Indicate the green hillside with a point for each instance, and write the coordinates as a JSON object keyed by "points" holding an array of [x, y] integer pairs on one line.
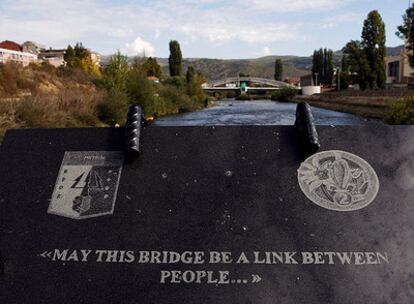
{"points": [[214, 69]]}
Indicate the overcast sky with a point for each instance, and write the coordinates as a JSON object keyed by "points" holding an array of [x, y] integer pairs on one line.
{"points": [[204, 28]]}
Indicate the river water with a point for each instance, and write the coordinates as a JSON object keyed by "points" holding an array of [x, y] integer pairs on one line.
{"points": [[258, 112]]}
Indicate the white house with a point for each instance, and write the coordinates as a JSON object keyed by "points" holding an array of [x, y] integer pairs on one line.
{"points": [[398, 69], [20, 57]]}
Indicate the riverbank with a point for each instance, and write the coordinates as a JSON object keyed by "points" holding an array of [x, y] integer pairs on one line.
{"points": [[42, 96], [370, 104]]}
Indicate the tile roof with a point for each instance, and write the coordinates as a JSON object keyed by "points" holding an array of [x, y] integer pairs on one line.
{"points": [[10, 45]]}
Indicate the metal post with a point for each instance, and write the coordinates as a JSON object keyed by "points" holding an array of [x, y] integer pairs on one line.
{"points": [[306, 130], [133, 130]]}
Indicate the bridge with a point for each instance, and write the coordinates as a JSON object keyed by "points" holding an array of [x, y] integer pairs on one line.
{"points": [[244, 84]]}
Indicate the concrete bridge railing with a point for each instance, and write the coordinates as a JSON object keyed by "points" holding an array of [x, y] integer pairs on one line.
{"points": [[255, 80]]}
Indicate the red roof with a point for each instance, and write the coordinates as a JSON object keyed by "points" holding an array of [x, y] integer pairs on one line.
{"points": [[10, 45]]}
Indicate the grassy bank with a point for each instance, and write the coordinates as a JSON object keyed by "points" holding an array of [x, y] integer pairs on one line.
{"points": [[370, 104], [42, 96]]}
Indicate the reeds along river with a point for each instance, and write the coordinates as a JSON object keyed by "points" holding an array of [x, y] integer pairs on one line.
{"points": [[258, 112]]}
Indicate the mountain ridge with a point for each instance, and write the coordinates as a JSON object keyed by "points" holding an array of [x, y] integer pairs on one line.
{"points": [[293, 66]]}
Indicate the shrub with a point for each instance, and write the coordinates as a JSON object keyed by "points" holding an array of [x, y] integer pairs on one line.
{"points": [[177, 81], [112, 109], [219, 95], [161, 106], [10, 76], [244, 97], [182, 102], [38, 113], [69, 107], [139, 89], [401, 112], [231, 94], [285, 94], [72, 107], [7, 117], [75, 74]]}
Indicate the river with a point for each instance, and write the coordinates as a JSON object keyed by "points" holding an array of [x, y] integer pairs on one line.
{"points": [[258, 112]]}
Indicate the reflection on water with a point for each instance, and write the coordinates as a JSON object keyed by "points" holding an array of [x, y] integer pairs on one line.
{"points": [[259, 112]]}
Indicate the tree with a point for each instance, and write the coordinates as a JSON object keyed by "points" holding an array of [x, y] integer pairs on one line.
{"points": [[373, 43], [115, 75], [190, 75], [328, 67], [112, 109], [358, 63], [278, 70], [151, 67], [344, 64], [80, 57], [80, 51], [201, 78], [406, 32], [89, 67], [139, 89], [317, 66], [344, 75], [366, 58], [74, 56], [322, 65], [69, 55], [175, 58], [193, 86]]}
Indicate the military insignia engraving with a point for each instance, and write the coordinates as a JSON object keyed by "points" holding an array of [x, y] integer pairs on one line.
{"points": [[87, 184], [338, 180]]}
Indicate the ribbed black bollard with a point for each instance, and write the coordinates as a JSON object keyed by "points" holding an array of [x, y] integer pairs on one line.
{"points": [[306, 130], [133, 131]]}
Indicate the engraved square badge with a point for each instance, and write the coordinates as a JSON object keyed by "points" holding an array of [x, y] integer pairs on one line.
{"points": [[87, 184]]}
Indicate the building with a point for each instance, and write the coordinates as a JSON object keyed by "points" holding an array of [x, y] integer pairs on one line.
{"points": [[96, 58], [153, 79], [306, 80], [53, 57], [11, 46], [31, 51], [32, 47], [12, 52], [398, 69], [293, 81], [20, 57]]}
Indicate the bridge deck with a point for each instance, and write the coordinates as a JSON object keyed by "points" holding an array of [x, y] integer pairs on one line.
{"points": [[256, 80]]}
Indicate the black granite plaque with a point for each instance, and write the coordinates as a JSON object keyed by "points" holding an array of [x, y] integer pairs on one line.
{"points": [[207, 215]]}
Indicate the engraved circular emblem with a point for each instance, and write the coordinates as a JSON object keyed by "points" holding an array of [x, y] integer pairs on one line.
{"points": [[338, 180]]}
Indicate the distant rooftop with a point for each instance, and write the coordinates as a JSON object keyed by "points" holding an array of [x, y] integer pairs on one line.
{"points": [[10, 45]]}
